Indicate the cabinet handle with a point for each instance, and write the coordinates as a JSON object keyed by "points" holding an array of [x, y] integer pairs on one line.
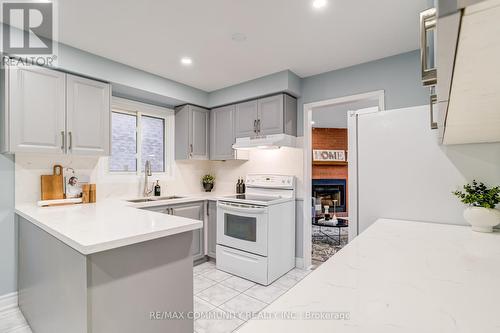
{"points": [[427, 23], [70, 141], [63, 143], [191, 150], [258, 126], [255, 126], [433, 100]]}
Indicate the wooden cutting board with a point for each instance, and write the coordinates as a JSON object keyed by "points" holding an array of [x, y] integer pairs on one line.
{"points": [[53, 185]]}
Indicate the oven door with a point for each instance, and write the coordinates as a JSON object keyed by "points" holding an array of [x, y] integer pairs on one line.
{"points": [[242, 227]]}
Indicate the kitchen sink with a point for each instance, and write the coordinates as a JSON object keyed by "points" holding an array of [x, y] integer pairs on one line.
{"points": [[154, 199]]}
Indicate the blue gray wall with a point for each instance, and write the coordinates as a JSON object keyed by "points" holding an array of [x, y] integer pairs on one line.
{"points": [[398, 75], [284, 81]]}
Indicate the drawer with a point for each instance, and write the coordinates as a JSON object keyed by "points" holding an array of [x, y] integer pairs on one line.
{"points": [[246, 265]]}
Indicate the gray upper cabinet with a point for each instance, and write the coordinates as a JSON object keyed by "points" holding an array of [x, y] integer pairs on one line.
{"points": [[88, 123], [211, 228], [35, 115], [270, 115], [53, 112], [191, 133], [245, 119], [222, 133]]}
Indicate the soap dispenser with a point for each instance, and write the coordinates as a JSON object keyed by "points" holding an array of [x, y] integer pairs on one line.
{"points": [[157, 188]]}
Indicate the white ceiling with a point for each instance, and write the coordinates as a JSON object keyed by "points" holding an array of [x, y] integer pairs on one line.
{"points": [[153, 35]]}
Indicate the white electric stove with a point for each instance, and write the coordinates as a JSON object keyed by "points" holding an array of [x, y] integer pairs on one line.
{"points": [[256, 230]]}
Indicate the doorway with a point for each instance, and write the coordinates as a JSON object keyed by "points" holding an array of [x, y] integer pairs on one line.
{"points": [[326, 173]]}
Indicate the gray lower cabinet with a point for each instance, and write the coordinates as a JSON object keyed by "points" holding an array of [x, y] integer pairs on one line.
{"points": [[192, 210], [113, 291], [191, 133], [211, 226]]}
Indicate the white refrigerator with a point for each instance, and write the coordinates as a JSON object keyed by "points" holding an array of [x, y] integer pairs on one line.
{"points": [[397, 169]]}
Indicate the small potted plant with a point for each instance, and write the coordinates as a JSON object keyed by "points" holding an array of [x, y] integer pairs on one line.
{"points": [[208, 182], [481, 201]]}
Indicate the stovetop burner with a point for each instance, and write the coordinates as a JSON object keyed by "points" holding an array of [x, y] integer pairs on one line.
{"points": [[252, 197]]}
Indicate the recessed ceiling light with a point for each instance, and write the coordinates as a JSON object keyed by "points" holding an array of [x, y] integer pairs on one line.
{"points": [[318, 4], [186, 61], [239, 37]]}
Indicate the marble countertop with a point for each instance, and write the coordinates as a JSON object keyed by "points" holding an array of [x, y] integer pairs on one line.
{"points": [[91, 228], [397, 276]]}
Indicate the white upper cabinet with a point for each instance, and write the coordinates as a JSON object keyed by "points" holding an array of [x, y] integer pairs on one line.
{"points": [[88, 123], [35, 117], [464, 102], [473, 114], [48, 111]]}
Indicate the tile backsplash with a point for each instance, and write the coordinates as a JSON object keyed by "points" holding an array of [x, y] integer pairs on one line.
{"points": [[185, 176]]}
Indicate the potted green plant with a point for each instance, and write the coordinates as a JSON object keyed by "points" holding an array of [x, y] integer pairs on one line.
{"points": [[208, 182], [481, 201]]}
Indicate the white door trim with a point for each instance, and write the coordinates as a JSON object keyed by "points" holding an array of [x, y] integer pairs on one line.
{"points": [[307, 237]]}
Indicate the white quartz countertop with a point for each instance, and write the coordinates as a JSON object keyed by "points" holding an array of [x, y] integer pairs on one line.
{"points": [[398, 276], [182, 198], [91, 228]]}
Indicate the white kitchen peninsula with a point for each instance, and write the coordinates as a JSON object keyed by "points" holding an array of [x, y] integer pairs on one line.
{"points": [[104, 267], [397, 277]]}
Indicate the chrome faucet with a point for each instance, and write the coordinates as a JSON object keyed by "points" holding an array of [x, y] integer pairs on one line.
{"points": [[147, 173]]}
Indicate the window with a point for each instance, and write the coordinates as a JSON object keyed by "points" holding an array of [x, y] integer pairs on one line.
{"points": [[123, 142], [153, 143], [138, 133]]}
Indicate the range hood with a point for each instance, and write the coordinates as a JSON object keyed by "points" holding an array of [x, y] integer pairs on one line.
{"points": [[274, 141]]}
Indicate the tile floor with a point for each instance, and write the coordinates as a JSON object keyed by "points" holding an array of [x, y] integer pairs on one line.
{"points": [[223, 301], [12, 321]]}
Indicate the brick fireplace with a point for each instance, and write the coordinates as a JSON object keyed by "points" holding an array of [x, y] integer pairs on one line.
{"points": [[330, 179]]}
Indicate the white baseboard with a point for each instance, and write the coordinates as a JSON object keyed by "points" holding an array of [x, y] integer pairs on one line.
{"points": [[8, 301]]}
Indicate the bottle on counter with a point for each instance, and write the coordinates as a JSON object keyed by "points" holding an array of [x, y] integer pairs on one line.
{"points": [[157, 188], [238, 186], [243, 186]]}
